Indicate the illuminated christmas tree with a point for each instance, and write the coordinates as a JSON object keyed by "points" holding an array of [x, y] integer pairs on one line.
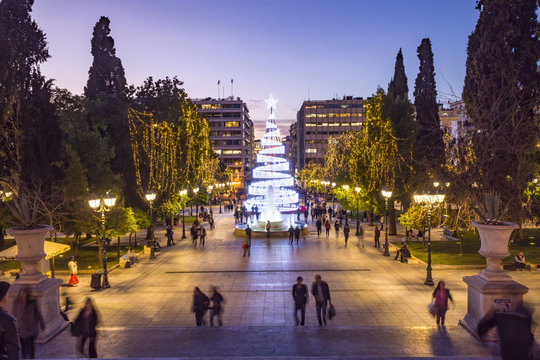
{"points": [[272, 185]]}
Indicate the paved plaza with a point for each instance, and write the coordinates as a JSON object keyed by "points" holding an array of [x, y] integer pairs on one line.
{"points": [[381, 303]]}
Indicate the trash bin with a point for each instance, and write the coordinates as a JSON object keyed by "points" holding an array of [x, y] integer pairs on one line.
{"points": [[95, 283]]}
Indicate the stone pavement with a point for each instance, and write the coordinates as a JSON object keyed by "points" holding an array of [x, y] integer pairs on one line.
{"points": [[150, 303]]}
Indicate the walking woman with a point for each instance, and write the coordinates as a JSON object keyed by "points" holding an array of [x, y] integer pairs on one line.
{"points": [[72, 265], [29, 321], [441, 296], [85, 328]]}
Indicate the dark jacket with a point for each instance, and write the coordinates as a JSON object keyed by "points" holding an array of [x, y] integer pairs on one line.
{"points": [[319, 224], [200, 303], [86, 327], [29, 319], [325, 290], [300, 295], [297, 232], [9, 339], [217, 299]]}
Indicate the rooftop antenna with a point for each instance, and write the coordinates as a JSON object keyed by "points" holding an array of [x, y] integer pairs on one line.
{"points": [[232, 95], [308, 94], [218, 82]]}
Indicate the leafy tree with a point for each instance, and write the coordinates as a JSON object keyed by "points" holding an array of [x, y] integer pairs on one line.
{"points": [[336, 162], [430, 148], [501, 95]]}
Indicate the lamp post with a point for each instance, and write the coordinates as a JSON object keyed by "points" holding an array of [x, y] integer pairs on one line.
{"points": [[357, 217], [150, 197], [195, 191], [429, 199], [333, 197], [219, 186], [387, 194], [346, 188], [210, 187], [183, 194], [101, 205]]}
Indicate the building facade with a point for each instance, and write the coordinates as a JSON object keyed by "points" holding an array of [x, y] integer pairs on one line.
{"points": [[232, 132], [318, 121], [454, 120]]}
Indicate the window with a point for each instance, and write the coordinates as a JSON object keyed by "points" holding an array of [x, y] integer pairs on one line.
{"points": [[217, 151], [311, 115], [356, 124], [311, 150], [232, 124], [210, 106], [310, 124], [232, 152], [321, 115]]}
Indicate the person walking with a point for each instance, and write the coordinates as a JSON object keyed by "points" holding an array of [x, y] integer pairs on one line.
{"points": [[194, 234], [217, 308], [346, 231], [268, 228], [29, 321], [247, 247], [10, 346], [321, 292], [211, 222], [327, 227], [297, 234], [319, 227], [300, 297], [202, 236], [169, 235], [440, 298], [72, 266], [337, 224], [377, 237], [291, 234], [200, 306], [85, 327]]}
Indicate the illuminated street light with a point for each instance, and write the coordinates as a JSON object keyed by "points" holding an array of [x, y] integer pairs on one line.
{"points": [[387, 194], [183, 194], [357, 189], [150, 197]]}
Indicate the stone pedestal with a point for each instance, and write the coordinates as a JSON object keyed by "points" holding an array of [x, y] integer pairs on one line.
{"points": [[484, 296], [30, 250]]}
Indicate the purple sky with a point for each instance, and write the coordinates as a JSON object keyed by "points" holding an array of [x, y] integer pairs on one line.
{"points": [[284, 47]]}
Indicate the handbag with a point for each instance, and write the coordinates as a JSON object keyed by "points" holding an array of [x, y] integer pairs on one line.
{"points": [[332, 312], [433, 308], [244, 245]]}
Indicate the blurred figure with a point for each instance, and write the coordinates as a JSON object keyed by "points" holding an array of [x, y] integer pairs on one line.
{"points": [[377, 237], [200, 305], [247, 247], [9, 338], [519, 260], [297, 234], [319, 227], [72, 265], [441, 295], [268, 228], [29, 321], [327, 227], [85, 327], [217, 309], [291, 234], [346, 232], [514, 327]]}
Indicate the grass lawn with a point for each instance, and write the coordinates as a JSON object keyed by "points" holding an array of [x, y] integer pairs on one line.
{"points": [[447, 252]]}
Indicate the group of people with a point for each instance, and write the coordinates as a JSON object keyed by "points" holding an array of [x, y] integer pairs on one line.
{"points": [[320, 291], [198, 232], [202, 303]]}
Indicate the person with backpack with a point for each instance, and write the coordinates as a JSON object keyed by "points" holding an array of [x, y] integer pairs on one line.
{"points": [[247, 243], [194, 234], [337, 225]]}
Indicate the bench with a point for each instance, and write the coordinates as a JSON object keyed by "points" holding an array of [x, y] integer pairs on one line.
{"points": [[449, 234]]}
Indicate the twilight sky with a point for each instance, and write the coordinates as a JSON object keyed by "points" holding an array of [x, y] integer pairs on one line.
{"points": [[290, 48]]}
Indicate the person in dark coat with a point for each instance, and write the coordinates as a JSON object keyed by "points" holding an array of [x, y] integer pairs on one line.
{"points": [[202, 235], [247, 247], [346, 231], [291, 234], [217, 308], [200, 305], [336, 226], [85, 326], [377, 237], [29, 321], [297, 234], [169, 234], [10, 346], [441, 295], [327, 227], [321, 291], [300, 296], [319, 227]]}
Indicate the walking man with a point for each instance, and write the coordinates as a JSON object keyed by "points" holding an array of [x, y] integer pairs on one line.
{"points": [[300, 296], [336, 226], [217, 309], [203, 236], [346, 231], [247, 248], [200, 305], [321, 292], [291, 234], [377, 237], [319, 227], [297, 234]]}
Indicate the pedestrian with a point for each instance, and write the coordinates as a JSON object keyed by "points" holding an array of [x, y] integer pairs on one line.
{"points": [[217, 308], [10, 346], [291, 234], [194, 234], [268, 228], [202, 236], [300, 297], [200, 306], [337, 224], [319, 227], [306, 214], [298, 212], [377, 237], [346, 231], [247, 247], [297, 234], [85, 327], [321, 292], [212, 223], [29, 321], [519, 261], [169, 235], [440, 298], [72, 265], [327, 226]]}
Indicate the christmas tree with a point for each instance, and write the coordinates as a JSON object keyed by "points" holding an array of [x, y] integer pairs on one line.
{"points": [[272, 184]]}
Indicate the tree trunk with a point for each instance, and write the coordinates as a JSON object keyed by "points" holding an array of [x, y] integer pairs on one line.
{"points": [[370, 219], [2, 242], [149, 233], [392, 228], [100, 253], [118, 248], [130, 240], [135, 238]]}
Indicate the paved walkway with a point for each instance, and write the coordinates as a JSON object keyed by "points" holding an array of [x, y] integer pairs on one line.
{"points": [[372, 294]]}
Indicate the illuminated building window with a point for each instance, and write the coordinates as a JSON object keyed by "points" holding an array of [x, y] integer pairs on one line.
{"points": [[311, 150], [217, 151], [324, 124], [345, 115], [345, 124], [211, 106], [333, 124], [232, 152], [331, 114], [356, 124], [321, 115], [232, 124], [311, 115], [344, 106], [310, 124]]}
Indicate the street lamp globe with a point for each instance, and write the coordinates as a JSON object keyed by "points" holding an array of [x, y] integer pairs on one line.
{"points": [[345, 187], [94, 203], [357, 189], [436, 184], [333, 184], [150, 197], [386, 193]]}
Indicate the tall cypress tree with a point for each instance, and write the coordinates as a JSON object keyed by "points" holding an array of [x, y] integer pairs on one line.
{"points": [[398, 85], [430, 146], [501, 93]]}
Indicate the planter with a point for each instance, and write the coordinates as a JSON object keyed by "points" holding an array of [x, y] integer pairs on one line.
{"points": [[30, 250], [494, 241]]}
